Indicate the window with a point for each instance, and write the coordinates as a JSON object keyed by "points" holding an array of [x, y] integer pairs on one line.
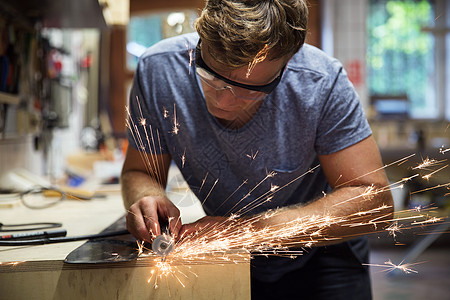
{"points": [[146, 30], [401, 54]]}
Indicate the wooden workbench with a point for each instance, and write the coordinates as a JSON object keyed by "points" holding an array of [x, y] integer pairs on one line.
{"points": [[38, 272]]}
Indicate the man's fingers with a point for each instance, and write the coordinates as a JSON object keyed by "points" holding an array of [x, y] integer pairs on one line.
{"points": [[174, 219], [145, 217], [136, 224], [151, 219], [187, 229]]}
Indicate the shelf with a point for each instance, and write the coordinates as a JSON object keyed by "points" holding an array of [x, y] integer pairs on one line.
{"points": [[9, 98], [68, 13]]}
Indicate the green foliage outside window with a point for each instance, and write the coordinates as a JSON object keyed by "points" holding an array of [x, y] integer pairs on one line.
{"points": [[400, 54]]}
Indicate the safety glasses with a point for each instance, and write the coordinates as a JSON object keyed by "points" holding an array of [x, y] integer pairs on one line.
{"points": [[239, 90]]}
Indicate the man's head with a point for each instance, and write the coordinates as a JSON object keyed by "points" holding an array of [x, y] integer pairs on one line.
{"points": [[236, 31], [244, 48]]}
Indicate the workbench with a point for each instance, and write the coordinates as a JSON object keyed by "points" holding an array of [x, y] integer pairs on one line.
{"points": [[39, 272]]}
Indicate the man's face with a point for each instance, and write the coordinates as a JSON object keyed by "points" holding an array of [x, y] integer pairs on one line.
{"points": [[229, 102]]}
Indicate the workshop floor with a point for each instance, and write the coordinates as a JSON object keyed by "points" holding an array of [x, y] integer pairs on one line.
{"points": [[432, 280]]}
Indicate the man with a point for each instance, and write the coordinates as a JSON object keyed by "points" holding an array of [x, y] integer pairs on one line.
{"points": [[253, 108]]}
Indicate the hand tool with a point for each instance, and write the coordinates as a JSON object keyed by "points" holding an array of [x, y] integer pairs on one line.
{"points": [[53, 240], [163, 244], [34, 235]]}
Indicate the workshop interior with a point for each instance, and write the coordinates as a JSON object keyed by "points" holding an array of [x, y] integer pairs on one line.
{"points": [[66, 69]]}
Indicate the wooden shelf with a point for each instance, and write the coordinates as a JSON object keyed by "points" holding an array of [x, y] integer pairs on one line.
{"points": [[9, 98]]}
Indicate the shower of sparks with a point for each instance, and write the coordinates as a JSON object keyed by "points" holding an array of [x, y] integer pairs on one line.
{"points": [[260, 57], [242, 235], [390, 266]]}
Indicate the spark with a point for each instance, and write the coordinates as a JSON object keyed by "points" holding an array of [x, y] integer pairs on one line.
{"points": [[427, 177], [152, 166], [271, 174], [203, 182], [443, 149], [252, 156], [165, 113], [191, 56], [400, 161], [140, 245], [183, 158], [176, 125], [393, 228], [428, 163], [369, 193], [391, 266], [431, 188], [260, 57], [337, 180], [428, 221], [273, 187], [215, 182]]}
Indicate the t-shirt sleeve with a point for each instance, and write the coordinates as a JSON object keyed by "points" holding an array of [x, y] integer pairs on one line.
{"points": [[143, 116], [342, 121]]}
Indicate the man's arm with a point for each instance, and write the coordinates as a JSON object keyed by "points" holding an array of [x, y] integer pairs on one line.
{"points": [[359, 184], [143, 181]]}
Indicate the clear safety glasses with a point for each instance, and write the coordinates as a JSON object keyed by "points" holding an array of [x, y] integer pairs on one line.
{"points": [[239, 90]]}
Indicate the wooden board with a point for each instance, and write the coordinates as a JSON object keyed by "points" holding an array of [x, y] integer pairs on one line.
{"points": [[38, 272], [56, 280]]}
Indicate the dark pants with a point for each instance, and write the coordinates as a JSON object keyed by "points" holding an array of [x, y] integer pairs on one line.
{"points": [[333, 272]]}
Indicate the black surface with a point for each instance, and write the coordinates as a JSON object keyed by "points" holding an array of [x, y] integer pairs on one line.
{"points": [[108, 250]]}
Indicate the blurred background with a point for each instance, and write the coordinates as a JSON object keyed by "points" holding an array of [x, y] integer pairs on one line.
{"points": [[66, 69]]}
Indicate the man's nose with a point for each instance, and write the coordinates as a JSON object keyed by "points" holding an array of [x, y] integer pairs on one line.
{"points": [[225, 98]]}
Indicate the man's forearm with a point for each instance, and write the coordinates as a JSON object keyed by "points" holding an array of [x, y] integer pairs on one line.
{"points": [[343, 214], [136, 185]]}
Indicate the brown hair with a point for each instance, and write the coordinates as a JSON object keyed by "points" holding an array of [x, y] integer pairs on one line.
{"points": [[237, 30]]}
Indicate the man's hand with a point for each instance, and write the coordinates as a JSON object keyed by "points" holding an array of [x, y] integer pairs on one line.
{"points": [[145, 216]]}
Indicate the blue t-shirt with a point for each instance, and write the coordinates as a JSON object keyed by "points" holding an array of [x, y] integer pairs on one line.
{"points": [[314, 110]]}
